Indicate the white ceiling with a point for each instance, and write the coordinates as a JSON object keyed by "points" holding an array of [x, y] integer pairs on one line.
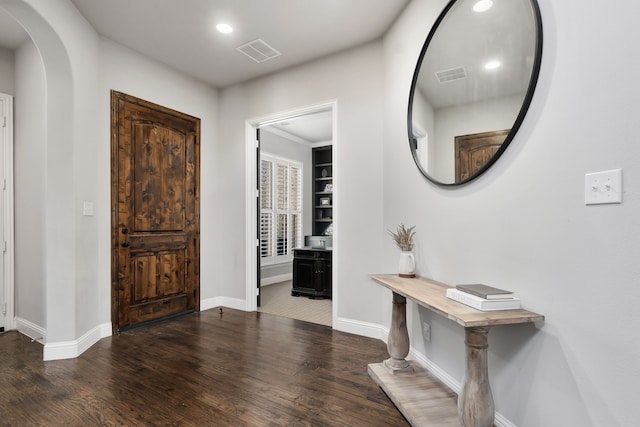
{"points": [[181, 33], [307, 129]]}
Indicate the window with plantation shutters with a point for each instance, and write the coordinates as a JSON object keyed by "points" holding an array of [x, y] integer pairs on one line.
{"points": [[280, 208]]}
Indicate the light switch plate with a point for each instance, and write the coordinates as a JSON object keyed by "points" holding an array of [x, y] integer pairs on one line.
{"points": [[87, 208], [603, 187]]}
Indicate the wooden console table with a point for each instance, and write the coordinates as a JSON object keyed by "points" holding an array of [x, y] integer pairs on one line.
{"points": [[396, 376]]}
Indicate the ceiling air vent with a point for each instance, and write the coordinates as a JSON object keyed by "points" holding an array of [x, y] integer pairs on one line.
{"points": [[451, 74], [258, 50]]}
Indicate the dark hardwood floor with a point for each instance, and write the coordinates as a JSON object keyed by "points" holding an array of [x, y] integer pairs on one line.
{"points": [[208, 368]]}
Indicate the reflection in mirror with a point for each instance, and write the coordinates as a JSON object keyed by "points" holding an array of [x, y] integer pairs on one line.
{"points": [[472, 86]]}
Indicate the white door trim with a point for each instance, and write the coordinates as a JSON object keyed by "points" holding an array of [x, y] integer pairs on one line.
{"points": [[251, 201], [6, 127]]}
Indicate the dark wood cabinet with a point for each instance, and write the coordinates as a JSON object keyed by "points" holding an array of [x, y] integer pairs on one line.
{"points": [[322, 191], [311, 273]]}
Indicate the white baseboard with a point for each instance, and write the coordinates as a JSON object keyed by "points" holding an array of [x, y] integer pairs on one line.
{"points": [[366, 329], [375, 331], [276, 279], [72, 349], [449, 381], [501, 421], [235, 303], [30, 329], [438, 372]]}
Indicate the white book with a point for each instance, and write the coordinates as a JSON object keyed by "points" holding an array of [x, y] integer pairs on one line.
{"points": [[481, 303]]}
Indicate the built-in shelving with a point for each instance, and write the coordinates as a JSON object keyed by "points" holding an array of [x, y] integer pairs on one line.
{"points": [[322, 191]]}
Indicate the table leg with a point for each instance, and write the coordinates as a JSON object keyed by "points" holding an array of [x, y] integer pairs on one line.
{"points": [[475, 402], [398, 342]]}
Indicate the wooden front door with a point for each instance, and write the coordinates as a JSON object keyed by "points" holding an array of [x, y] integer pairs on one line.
{"points": [[155, 178], [474, 151]]}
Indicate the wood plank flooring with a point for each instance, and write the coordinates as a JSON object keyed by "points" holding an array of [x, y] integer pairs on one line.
{"points": [[210, 368]]}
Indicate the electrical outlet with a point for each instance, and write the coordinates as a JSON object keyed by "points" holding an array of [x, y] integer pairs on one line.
{"points": [[426, 331]]}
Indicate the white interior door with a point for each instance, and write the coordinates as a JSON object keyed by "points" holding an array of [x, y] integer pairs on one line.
{"points": [[6, 209], [3, 284]]}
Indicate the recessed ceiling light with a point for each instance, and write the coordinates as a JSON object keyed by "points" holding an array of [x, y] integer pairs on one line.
{"points": [[482, 6], [224, 28], [492, 65]]}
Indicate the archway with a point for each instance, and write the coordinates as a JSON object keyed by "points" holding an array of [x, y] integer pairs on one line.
{"points": [[59, 229]]}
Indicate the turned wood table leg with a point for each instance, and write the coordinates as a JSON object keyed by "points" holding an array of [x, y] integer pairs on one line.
{"points": [[398, 342], [475, 402]]}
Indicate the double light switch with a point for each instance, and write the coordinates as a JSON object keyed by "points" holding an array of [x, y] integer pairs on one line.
{"points": [[603, 187]]}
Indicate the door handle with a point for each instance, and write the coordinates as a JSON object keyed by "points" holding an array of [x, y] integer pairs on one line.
{"points": [[125, 244]]}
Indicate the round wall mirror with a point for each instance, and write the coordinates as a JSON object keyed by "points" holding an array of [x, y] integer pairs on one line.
{"points": [[472, 86]]}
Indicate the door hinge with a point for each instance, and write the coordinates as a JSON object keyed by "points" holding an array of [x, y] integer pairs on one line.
{"points": [[4, 308], [257, 242], [4, 184], [4, 246], [257, 193], [257, 141], [4, 121]]}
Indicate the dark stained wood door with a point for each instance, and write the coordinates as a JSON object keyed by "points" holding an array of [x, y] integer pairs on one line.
{"points": [[155, 174], [476, 150]]}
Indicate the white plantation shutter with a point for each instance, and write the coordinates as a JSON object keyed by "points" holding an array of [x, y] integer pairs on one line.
{"points": [[281, 190], [296, 230], [280, 208], [281, 234], [295, 189], [266, 184], [266, 209], [295, 205]]}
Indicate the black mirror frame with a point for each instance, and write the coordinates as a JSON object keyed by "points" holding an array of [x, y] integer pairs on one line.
{"points": [[535, 71]]}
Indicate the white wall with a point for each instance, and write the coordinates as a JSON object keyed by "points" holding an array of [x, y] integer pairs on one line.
{"points": [[7, 75], [524, 226], [29, 186], [124, 70], [354, 79]]}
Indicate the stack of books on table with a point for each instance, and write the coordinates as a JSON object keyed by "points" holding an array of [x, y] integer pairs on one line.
{"points": [[483, 297]]}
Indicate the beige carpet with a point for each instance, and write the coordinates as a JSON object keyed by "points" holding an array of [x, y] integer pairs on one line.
{"points": [[277, 299]]}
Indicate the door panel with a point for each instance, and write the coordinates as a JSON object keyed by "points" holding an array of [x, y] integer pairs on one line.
{"points": [[159, 155], [473, 152], [156, 226]]}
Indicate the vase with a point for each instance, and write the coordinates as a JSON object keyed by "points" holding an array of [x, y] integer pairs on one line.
{"points": [[407, 264]]}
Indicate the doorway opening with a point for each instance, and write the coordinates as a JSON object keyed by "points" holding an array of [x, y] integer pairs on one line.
{"points": [[288, 137]]}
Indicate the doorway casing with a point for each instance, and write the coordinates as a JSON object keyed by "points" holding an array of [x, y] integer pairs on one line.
{"points": [[251, 193]]}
